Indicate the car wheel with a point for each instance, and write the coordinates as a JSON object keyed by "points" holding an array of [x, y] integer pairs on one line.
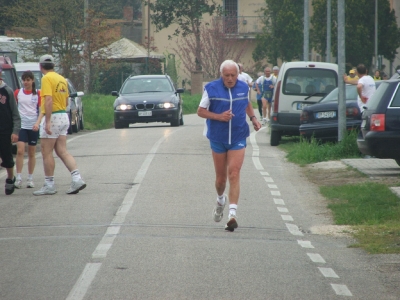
{"points": [[70, 127], [81, 125], [175, 122], [181, 120], [275, 137], [75, 127]]}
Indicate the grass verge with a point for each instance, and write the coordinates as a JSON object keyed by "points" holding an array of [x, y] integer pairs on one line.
{"points": [[370, 207]]}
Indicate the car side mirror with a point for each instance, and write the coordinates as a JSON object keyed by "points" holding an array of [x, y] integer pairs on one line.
{"points": [[179, 91], [80, 94], [114, 93]]}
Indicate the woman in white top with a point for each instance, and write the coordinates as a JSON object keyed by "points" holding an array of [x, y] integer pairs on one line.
{"points": [[28, 99]]}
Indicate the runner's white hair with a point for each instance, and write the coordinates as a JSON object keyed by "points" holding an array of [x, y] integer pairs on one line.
{"points": [[228, 63]]}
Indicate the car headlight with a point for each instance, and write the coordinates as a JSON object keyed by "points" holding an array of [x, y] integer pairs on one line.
{"points": [[123, 107], [166, 105]]}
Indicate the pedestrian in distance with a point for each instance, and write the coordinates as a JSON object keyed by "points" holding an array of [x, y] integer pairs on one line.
{"points": [[28, 99], [377, 75], [10, 124], [53, 128], [258, 97], [225, 104], [275, 71], [265, 87], [244, 76], [365, 85]]}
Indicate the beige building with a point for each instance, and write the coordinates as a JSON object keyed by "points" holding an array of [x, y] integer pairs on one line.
{"points": [[244, 24]]}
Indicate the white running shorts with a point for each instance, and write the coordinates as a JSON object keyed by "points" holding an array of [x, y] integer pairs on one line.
{"points": [[59, 126]]}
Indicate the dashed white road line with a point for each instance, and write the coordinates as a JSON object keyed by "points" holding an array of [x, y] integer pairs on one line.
{"points": [[279, 201], [341, 290], [282, 209], [287, 218], [305, 244], [315, 257], [328, 272], [294, 229]]}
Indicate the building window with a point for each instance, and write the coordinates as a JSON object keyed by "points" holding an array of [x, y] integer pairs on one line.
{"points": [[231, 16]]}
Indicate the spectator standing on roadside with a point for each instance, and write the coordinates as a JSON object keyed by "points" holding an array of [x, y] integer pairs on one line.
{"points": [[352, 75], [377, 75], [53, 128], [10, 124], [265, 87], [365, 86], [28, 99], [225, 103]]}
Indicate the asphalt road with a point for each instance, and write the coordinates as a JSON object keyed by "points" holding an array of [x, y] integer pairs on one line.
{"points": [[143, 229]]}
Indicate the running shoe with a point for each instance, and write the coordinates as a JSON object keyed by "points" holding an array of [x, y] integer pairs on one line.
{"points": [[45, 190], [30, 184], [76, 186], [10, 187], [18, 184], [218, 211], [232, 223]]}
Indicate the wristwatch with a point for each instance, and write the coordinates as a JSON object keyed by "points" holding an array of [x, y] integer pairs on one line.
{"points": [[251, 118]]}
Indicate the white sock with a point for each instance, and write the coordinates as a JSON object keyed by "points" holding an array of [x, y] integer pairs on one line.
{"points": [[18, 176], [221, 200], [75, 175], [30, 177], [49, 180], [232, 209]]}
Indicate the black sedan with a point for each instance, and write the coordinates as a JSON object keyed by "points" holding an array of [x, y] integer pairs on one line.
{"points": [[321, 119], [380, 128], [147, 98]]}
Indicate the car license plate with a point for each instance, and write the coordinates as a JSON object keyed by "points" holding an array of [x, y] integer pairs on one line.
{"points": [[300, 106], [325, 115], [147, 113]]}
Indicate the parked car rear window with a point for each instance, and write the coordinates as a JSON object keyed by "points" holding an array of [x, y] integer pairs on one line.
{"points": [[303, 81], [146, 85], [377, 96], [396, 98], [351, 94]]}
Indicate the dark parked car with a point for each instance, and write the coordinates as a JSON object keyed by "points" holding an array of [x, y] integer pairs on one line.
{"points": [[74, 109], [380, 127], [321, 120], [147, 98], [9, 74]]}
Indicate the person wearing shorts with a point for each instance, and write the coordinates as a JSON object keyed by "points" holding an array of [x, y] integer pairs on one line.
{"points": [[225, 104], [265, 88], [28, 99], [54, 127], [10, 124]]}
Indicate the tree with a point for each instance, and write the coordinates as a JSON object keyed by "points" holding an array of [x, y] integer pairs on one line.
{"points": [[359, 30], [282, 35], [6, 19], [114, 9], [187, 14], [215, 47]]}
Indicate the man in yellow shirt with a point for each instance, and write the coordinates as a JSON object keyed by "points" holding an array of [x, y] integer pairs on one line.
{"points": [[53, 128]]}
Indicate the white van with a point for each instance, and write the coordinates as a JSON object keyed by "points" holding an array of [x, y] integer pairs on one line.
{"points": [[299, 84], [29, 66]]}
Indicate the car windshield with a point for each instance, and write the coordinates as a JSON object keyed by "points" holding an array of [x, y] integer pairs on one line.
{"points": [[146, 85], [351, 94], [308, 82], [38, 77]]}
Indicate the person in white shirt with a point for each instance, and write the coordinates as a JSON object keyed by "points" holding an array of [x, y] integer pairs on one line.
{"points": [[365, 86], [244, 76]]}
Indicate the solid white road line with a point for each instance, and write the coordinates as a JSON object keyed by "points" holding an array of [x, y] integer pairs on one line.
{"points": [[82, 284]]}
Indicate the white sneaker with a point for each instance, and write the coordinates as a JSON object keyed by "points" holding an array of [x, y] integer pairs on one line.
{"points": [[18, 184], [30, 184], [45, 190], [232, 223], [218, 211], [76, 186], [264, 121]]}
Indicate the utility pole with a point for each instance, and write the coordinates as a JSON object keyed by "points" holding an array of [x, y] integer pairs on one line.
{"points": [[341, 70], [328, 30], [86, 53], [376, 35], [148, 38], [306, 31]]}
